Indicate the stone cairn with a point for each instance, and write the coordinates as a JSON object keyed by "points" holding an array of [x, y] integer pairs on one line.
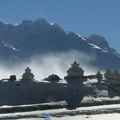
{"points": [[28, 74], [112, 75]]}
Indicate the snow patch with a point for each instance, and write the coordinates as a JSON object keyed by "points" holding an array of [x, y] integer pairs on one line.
{"points": [[52, 23], [110, 112], [9, 46], [16, 24], [105, 51], [67, 33], [94, 46], [81, 37], [118, 55], [3, 21]]}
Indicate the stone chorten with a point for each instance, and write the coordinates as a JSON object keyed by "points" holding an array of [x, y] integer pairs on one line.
{"points": [[75, 71], [108, 74], [27, 74], [98, 74], [116, 74]]}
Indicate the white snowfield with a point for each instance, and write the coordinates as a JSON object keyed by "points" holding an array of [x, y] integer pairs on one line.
{"points": [[110, 112]]}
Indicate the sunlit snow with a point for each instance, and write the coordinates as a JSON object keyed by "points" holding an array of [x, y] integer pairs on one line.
{"points": [[81, 37], [82, 113], [16, 24], [3, 21], [9, 46], [52, 23], [94, 46]]}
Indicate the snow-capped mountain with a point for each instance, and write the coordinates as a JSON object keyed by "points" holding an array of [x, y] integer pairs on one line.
{"points": [[21, 41]]}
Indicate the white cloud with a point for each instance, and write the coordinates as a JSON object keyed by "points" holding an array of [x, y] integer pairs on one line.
{"points": [[54, 63]]}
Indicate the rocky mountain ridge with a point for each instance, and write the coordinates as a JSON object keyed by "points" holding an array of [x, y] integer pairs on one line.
{"points": [[20, 42]]}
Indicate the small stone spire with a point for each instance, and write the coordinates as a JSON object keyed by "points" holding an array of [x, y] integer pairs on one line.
{"points": [[98, 74], [75, 64], [74, 71], [108, 74], [28, 74]]}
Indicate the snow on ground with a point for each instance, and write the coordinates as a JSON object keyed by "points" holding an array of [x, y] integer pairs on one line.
{"points": [[115, 116], [82, 113]]}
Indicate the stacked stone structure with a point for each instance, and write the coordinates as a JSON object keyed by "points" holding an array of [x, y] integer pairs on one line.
{"points": [[75, 71], [108, 74], [28, 74], [116, 74], [98, 74], [112, 75]]}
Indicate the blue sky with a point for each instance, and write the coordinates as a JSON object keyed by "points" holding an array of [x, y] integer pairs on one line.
{"points": [[84, 17]]}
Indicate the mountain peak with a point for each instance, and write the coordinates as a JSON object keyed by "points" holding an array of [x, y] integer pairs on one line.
{"points": [[41, 21], [27, 22], [98, 40]]}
